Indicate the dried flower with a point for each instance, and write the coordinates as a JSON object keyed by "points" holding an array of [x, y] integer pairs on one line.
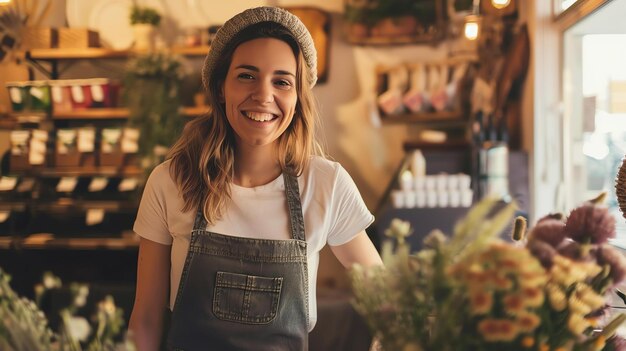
{"points": [[590, 223], [543, 251], [607, 255], [616, 343], [550, 231]]}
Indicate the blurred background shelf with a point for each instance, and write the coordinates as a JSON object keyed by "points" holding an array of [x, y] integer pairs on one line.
{"points": [[116, 113], [103, 53]]}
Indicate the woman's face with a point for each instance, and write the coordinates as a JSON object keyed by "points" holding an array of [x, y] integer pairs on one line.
{"points": [[259, 91]]}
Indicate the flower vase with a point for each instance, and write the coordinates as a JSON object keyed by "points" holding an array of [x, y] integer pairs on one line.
{"points": [[144, 37]]}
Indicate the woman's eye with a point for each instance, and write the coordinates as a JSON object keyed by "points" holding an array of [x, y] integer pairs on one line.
{"points": [[245, 76], [283, 83]]}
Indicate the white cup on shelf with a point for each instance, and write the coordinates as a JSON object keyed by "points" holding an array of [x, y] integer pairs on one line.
{"points": [[464, 181], [397, 198], [429, 182], [454, 198], [466, 197], [419, 183], [409, 199], [442, 199], [420, 199], [431, 199], [453, 181], [441, 182]]}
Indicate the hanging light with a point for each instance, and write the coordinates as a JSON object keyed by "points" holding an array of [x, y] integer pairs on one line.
{"points": [[472, 22], [472, 27], [500, 4], [4, 2]]}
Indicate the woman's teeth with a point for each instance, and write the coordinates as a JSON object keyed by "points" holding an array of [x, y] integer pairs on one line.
{"points": [[258, 116]]}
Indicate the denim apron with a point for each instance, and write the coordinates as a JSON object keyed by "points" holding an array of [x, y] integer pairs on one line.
{"points": [[241, 293]]}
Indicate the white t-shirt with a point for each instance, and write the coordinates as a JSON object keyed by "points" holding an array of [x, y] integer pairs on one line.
{"points": [[333, 210]]}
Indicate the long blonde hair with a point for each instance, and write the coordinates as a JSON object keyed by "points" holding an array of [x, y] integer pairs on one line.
{"points": [[202, 159]]}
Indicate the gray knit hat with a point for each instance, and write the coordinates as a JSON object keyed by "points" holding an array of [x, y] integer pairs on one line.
{"points": [[253, 16]]}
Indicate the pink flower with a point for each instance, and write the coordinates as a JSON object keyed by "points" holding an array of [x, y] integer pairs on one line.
{"points": [[549, 231], [590, 223], [608, 255], [617, 343], [542, 251], [571, 250]]}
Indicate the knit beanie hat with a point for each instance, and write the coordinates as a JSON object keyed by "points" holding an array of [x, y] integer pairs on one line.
{"points": [[253, 16]]}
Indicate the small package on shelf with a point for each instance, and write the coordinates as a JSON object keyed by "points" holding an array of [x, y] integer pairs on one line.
{"points": [[75, 147], [28, 149], [31, 96], [78, 38], [103, 92], [80, 94], [18, 94], [61, 96], [119, 147]]}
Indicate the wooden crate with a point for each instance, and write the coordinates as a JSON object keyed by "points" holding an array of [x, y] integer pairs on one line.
{"points": [[39, 38], [78, 38]]}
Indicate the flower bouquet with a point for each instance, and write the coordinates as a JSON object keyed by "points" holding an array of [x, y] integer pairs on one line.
{"points": [[23, 326], [548, 290]]}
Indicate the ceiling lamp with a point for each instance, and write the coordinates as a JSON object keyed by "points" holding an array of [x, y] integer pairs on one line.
{"points": [[500, 4], [472, 22]]}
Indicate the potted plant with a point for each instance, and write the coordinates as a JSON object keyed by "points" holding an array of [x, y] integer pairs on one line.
{"points": [[144, 20], [152, 93]]}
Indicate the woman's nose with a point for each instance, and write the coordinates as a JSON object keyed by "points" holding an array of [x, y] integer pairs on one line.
{"points": [[263, 93]]}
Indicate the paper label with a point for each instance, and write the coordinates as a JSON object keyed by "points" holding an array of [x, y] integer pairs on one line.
{"points": [[26, 185], [8, 183], [127, 184], [36, 92], [19, 137], [86, 139], [97, 93], [67, 184], [77, 94], [98, 184], [129, 146], [4, 215], [57, 95], [94, 216], [131, 133], [36, 158], [16, 95], [40, 135]]}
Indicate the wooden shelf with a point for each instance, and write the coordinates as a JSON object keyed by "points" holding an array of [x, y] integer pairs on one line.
{"points": [[128, 171], [445, 117], [48, 241], [102, 53], [116, 113], [68, 203]]}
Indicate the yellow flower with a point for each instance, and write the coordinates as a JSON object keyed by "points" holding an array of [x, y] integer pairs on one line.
{"points": [[557, 297], [480, 302], [598, 343], [577, 306], [528, 322], [577, 324], [589, 297], [544, 347], [533, 297]]}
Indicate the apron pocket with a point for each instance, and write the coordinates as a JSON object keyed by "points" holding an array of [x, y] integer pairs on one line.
{"points": [[245, 298]]}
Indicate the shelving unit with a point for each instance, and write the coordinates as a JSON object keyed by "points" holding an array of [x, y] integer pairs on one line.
{"points": [[115, 113], [103, 53], [449, 118]]}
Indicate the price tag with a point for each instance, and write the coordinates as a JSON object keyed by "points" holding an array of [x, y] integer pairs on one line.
{"points": [[67, 184], [98, 184], [94, 216], [97, 93], [4, 215], [35, 157], [36, 92], [129, 146], [57, 94], [127, 184], [26, 185], [77, 93], [7, 183], [16, 95], [86, 139], [131, 133]]}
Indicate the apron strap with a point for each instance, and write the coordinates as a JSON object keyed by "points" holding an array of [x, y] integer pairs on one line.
{"points": [[295, 206], [200, 222]]}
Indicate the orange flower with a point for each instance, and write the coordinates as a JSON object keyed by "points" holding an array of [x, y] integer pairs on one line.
{"points": [[528, 322], [480, 302], [533, 297], [498, 329], [528, 342], [513, 304]]}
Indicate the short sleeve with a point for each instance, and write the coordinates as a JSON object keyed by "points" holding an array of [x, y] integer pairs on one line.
{"points": [[151, 221], [349, 215]]}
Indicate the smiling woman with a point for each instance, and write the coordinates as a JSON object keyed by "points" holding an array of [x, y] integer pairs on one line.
{"points": [[233, 223]]}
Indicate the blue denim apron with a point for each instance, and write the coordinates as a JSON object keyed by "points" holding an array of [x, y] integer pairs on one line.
{"points": [[241, 293]]}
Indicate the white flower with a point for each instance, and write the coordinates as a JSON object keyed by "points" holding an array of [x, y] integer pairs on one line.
{"points": [[79, 328]]}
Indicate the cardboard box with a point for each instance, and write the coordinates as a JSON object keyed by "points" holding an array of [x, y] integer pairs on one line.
{"points": [[78, 38], [39, 38]]}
